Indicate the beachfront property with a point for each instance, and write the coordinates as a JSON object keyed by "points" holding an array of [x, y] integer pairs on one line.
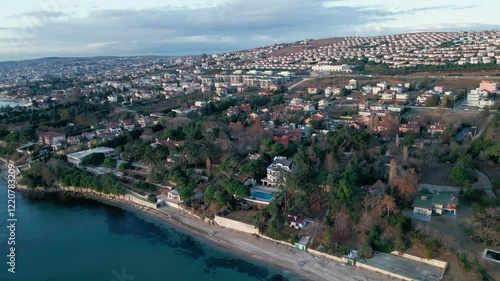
{"points": [[302, 243], [297, 221], [275, 171], [440, 202], [173, 195], [77, 157], [261, 196]]}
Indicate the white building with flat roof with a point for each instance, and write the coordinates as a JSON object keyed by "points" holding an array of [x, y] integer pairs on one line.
{"points": [[479, 98], [76, 157], [332, 68]]}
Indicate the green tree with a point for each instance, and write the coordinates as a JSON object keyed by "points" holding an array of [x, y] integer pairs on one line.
{"points": [[459, 175], [109, 163], [433, 101], [209, 194], [93, 159], [255, 168], [222, 198], [124, 166], [236, 188], [186, 192]]}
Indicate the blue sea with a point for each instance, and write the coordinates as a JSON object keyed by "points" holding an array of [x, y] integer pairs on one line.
{"points": [[11, 103], [60, 238]]}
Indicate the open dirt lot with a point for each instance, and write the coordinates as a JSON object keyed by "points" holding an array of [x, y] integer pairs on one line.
{"points": [[313, 43], [455, 227]]}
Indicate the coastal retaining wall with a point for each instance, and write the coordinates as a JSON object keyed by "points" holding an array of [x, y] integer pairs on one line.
{"points": [[436, 263], [236, 225], [335, 258], [382, 271], [344, 261], [125, 197]]}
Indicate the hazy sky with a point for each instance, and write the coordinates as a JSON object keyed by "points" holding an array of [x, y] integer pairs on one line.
{"points": [[39, 28]]}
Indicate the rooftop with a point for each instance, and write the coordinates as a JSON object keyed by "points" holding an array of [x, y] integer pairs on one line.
{"points": [[83, 153]]}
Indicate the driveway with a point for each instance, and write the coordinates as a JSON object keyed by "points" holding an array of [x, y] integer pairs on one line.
{"points": [[416, 216], [484, 183]]}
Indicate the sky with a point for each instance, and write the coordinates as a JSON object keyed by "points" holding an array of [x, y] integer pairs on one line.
{"points": [[43, 28]]}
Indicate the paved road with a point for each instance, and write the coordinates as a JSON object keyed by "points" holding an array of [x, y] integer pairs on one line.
{"points": [[407, 76], [446, 109], [484, 127], [484, 183], [298, 83], [406, 267]]}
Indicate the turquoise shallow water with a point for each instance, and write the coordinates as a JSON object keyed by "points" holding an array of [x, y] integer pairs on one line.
{"points": [[11, 103], [66, 239]]}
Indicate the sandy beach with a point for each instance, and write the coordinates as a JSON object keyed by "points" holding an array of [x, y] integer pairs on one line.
{"points": [[302, 263], [254, 247]]}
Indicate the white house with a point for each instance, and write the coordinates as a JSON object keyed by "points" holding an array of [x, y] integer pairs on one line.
{"points": [[402, 97], [382, 85], [275, 171], [376, 90], [173, 195], [323, 103], [77, 157], [297, 221]]}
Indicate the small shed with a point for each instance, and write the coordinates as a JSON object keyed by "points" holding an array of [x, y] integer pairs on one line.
{"points": [[303, 242]]}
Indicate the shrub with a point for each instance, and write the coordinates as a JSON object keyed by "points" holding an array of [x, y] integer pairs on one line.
{"points": [[366, 251], [432, 248], [382, 246]]}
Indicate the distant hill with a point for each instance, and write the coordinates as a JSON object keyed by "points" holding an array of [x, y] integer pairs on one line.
{"points": [[65, 60]]}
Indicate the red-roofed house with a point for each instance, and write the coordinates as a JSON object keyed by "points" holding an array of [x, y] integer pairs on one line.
{"points": [[246, 107], [378, 188], [128, 124], [283, 140], [488, 86], [297, 221], [356, 125], [169, 143], [410, 127], [435, 128], [51, 138]]}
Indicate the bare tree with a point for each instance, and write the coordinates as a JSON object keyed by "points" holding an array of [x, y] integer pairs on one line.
{"points": [[342, 223], [387, 206]]}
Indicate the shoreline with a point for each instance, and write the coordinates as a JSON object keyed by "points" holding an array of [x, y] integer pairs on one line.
{"points": [[285, 258], [12, 100]]}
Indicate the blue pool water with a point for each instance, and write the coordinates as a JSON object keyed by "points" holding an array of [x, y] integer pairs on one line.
{"points": [[262, 195]]}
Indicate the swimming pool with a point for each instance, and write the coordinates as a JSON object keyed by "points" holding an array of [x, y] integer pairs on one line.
{"points": [[261, 195]]}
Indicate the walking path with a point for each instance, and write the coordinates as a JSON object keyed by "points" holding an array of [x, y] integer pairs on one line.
{"points": [[484, 183], [298, 83]]}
